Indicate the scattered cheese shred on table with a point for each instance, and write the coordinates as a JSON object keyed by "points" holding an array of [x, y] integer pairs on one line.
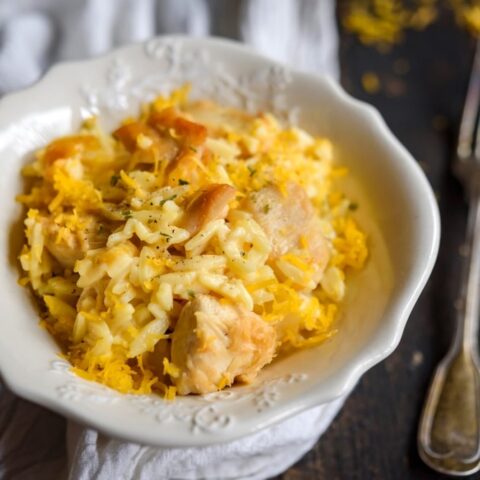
{"points": [[383, 22], [370, 82]]}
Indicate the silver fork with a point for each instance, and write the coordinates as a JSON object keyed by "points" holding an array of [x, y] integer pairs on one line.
{"points": [[449, 432]]}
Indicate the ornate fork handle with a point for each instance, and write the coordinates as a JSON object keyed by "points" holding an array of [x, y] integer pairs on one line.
{"points": [[449, 435]]}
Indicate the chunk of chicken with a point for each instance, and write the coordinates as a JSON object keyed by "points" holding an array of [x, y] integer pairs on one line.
{"points": [[218, 118], [215, 344], [68, 245], [190, 138], [72, 154], [290, 221], [207, 204], [187, 166], [70, 147], [188, 133], [148, 145]]}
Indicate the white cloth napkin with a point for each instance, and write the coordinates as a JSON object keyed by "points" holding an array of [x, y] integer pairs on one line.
{"points": [[256, 457], [36, 33]]}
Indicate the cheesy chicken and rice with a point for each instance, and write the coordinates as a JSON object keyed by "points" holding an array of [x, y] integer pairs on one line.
{"points": [[186, 250]]}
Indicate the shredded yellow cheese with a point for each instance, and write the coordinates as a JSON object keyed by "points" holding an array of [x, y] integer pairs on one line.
{"points": [[370, 82], [383, 22], [113, 259]]}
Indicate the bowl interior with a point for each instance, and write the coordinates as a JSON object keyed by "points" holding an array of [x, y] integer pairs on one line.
{"points": [[396, 208]]}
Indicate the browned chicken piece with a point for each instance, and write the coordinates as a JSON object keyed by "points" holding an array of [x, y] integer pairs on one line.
{"points": [[215, 344], [83, 147], [128, 134], [207, 204], [68, 246], [190, 138], [68, 147], [186, 166], [189, 133], [290, 222], [146, 143]]}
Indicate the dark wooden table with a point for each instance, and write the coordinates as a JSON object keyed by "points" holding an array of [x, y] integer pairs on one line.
{"points": [[374, 436]]}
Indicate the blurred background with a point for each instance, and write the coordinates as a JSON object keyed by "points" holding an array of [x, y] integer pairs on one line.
{"points": [[411, 60]]}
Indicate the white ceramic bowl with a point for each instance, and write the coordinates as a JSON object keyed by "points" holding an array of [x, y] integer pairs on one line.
{"points": [[397, 209]]}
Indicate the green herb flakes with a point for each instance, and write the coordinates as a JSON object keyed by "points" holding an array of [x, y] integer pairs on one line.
{"points": [[114, 180]]}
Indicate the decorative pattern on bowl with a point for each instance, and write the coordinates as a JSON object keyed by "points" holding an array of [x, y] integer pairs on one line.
{"points": [[262, 89], [204, 415]]}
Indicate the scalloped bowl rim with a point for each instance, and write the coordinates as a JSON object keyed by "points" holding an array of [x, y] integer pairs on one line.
{"points": [[348, 376]]}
